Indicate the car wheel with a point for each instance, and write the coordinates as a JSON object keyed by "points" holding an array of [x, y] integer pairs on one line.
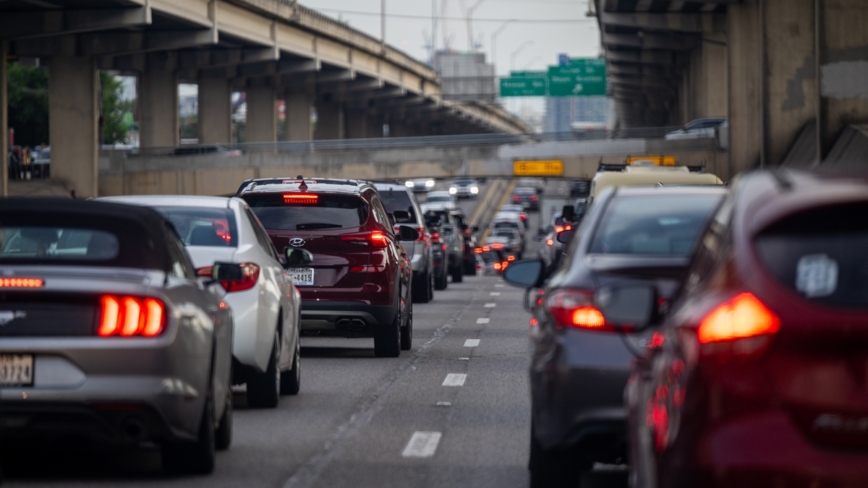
{"points": [[556, 468], [407, 332], [193, 457], [470, 268], [290, 381], [387, 338], [263, 389], [421, 293], [458, 274], [223, 435], [440, 282], [430, 286]]}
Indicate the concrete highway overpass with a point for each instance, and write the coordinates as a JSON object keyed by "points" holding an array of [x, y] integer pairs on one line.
{"points": [[270, 49]]}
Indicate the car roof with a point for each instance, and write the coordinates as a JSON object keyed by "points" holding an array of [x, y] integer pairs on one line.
{"points": [[671, 190], [649, 178], [174, 200], [316, 185], [391, 186]]}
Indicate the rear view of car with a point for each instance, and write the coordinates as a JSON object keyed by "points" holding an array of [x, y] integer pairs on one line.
{"points": [[527, 197], [359, 282], [107, 333]]}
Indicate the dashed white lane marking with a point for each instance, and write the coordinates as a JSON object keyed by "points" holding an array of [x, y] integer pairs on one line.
{"points": [[464, 359], [444, 404], [422, 445], [495, 293], [471, 343], [490, 305], [483, 321], [498, 286], [455, 379]]}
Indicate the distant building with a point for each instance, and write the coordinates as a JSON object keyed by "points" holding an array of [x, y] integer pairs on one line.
{"points": [[465, 76], [563, 112], [188, 105]]}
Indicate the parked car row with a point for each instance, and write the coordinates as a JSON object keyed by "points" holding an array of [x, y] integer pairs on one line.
{"points": [[705, 335]]}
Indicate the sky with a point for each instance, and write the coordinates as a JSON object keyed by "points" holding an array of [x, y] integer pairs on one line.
{"points": [[579, 38]]}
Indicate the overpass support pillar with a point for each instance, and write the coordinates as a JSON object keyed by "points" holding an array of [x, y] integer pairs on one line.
{"points": [[357, 124], [299, 107], [374, 127], [4, 121], [158, 105], [329, 121], [215, 110], [73, 115], [261, 114]]}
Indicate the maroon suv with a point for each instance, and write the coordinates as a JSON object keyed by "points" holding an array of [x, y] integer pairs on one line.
{"points": [[358, 283]]}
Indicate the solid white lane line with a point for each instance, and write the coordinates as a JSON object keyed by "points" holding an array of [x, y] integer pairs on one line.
{"points": [[422, 445], [444, 404], [490, 305], [455, 379], [464, 359], [471, 343], [483, 321], [495, 293]]}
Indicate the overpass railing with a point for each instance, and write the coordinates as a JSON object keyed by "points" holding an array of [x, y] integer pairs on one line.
{"points": [[382, 143]]}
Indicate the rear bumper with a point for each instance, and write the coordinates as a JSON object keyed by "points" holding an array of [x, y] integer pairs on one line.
{"points": [[344, 318]]}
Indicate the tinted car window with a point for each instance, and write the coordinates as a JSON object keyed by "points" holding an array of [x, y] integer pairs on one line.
{"points": [[214, 227], [57, 243], [653, 225], [397, 200], [820, 254], [439, 198], [328, 212], [525, 191]]}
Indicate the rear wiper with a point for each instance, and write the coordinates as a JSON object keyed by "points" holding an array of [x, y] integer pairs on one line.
{"points": [[317, 225]]}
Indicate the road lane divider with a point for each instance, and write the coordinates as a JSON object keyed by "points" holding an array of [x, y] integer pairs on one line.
{"points": [[495, 293], [471, 343], [455, 379], [483, 320], [422, 445], [490, 305]]}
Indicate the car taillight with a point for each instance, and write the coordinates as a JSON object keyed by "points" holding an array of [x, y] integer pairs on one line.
{"points": [[523, 216], [562, 228], [477, 250], [534, 198], [368, 268], [21, 283], [497, 266], [375, 239], [516, 198], [435, 236], [742, 326], [510, 258], [550, 242], [127, 316], [467, 232], [497, 245], [575, 308], [300, 199], [442, 247], [249, 278]]}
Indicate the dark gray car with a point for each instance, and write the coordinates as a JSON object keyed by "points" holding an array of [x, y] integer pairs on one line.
{"points": [[579, 366], [107, 333]]}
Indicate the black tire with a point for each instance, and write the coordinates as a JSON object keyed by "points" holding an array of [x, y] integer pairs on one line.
{"points": [[387, 338], [223, 434], [558, 468], [469, 268], [290, 380], [263, 389], [421, 293], [441, 282], [458, 274], [407, 332], [430, 286], [193, 457]]}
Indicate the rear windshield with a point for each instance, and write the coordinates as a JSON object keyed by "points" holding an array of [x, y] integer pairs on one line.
{"points": [[666, 225], [327, 212], [212, 227], [821, 255], [438, 198], [505, 233], [398, 200], [525, 191], [463, 182], [57, 244]]}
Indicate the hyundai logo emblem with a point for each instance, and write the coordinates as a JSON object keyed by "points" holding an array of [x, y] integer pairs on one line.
{"points": [[296, 242]]}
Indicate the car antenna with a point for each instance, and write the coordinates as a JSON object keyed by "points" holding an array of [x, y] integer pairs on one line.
{"points": [[303, 185]]}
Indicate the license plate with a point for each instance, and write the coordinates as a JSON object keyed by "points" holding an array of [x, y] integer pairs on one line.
{"points": [[302, 276], [16, 369]]}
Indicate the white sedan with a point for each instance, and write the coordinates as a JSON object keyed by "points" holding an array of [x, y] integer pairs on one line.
{"points": [[438, 200], [265, 304]]}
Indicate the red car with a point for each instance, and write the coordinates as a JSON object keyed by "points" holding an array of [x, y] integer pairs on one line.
{"points": [[758, 375], [359, 282]]}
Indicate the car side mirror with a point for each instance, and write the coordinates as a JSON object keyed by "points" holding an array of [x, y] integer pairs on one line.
{"points": [[401, 216], [475, 228], [568, 213], [565, 237], [407, 233], [296, 258], [627, 307], [527, 273]]}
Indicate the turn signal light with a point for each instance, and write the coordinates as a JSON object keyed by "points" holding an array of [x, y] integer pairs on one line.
{"points": [[126, 316], [21, 283], [575, 308], [300, 199]]}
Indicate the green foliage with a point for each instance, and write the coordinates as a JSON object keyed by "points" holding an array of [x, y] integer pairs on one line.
{"points": [[27, 88], [114, 109]]}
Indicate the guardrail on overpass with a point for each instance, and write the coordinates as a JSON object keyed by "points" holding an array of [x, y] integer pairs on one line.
{"points": [[440, 158]]}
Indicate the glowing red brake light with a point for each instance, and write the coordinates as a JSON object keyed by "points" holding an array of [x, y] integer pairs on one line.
{"points": [[516, 198], [478, 250], [523, 216], [127, 316], [743, 317], [550, 242], [435, 236], [575, 308], [497, 245], [534, 198], [21, 283], [559, 229], [300, 199], [375, 239]]}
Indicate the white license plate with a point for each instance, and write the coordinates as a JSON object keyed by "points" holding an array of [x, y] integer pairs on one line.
{"points": [[302, 276], [16, 369]]}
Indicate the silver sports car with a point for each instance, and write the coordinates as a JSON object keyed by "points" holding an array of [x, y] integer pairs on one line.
{"points": [[106, 332]]}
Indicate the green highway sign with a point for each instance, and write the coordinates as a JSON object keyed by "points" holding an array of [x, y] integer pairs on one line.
{"points": [[523, 87], [582, 77], [528, 74]]}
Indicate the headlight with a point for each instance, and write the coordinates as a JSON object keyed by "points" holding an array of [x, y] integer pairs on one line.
{"points": [[474, 190], [409, 184], [429, 184], [453, 190]]}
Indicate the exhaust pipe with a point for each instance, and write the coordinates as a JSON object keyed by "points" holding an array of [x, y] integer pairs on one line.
{"points": [[343, 323], [359, 324], [133, 430]]}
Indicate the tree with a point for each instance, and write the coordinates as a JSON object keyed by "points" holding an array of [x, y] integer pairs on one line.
{"points": [[28, 104], [114, 109]]}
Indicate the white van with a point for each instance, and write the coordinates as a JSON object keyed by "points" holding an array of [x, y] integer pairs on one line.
{"points": [[649, 176]]}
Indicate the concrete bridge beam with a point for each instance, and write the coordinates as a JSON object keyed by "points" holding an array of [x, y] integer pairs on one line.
{"points": [[215, 109], [298, 112], [261, 114], [73, 123], [329, 121], [158, 106]]}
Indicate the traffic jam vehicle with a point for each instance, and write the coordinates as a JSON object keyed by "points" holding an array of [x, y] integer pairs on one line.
{"points": [[527, 197], [439, 251], [579, 366], [109, 335], [359, 282], [264, 303], [756, 376]]}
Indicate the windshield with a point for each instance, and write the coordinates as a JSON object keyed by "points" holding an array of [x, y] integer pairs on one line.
{"points": [[328, 212], [657, 225], [438, 198], [210, 227]]}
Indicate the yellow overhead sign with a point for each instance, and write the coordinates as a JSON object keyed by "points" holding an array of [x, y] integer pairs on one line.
{"points": [[658, 160], [538, 168]]}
